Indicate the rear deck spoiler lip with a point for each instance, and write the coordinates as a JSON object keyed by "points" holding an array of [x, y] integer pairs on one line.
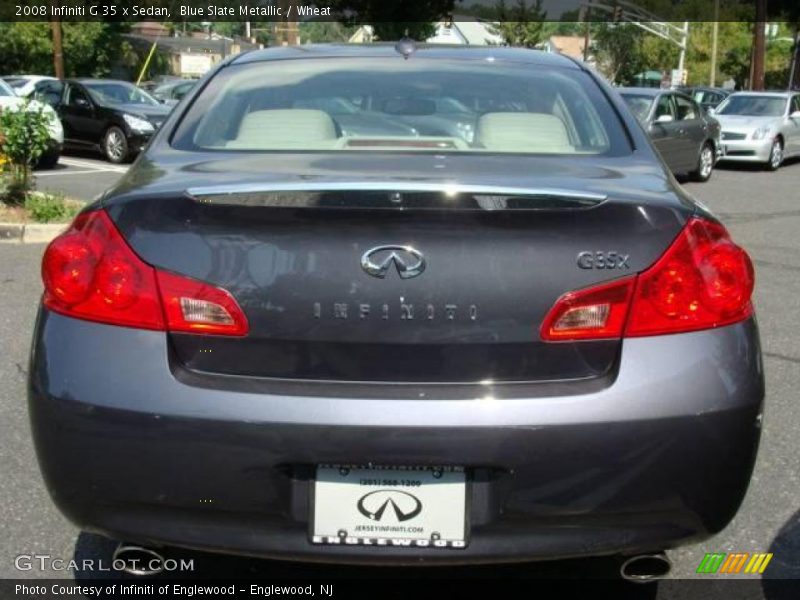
{"points": [[233, 194]]}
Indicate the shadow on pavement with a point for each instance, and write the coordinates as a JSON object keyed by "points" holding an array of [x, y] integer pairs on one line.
{"points": [[785, 563], [216, 566]]}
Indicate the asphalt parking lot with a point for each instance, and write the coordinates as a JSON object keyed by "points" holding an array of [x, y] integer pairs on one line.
{"points": [[80, 176], [761, 209]]}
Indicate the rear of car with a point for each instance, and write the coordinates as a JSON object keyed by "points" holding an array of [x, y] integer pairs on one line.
{"points": [[511, 339]]}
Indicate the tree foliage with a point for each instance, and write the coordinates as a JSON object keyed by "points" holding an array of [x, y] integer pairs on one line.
{"points": [[91, 48], [619, 51], [398, 18], [522, 24]]}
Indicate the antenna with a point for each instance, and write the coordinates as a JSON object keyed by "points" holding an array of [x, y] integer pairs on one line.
{"points": [[406, 46]]}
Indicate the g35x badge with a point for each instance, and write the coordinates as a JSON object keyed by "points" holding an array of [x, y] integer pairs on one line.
{"points": [[603, 260]]}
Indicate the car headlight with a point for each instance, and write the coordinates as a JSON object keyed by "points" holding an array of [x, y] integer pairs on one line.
{"points": [[760, 133], [139, 125]]}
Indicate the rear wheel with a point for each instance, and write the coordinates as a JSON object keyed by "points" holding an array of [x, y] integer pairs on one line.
{"points": [[705, 163], [48, 160], [115, 145], [775, 155]]}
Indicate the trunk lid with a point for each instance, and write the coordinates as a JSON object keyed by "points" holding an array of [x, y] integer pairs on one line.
{"points": [[360, 278]]}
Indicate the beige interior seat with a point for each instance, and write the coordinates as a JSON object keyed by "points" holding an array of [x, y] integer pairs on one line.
{"points": [[285, 128], [522, 132]]}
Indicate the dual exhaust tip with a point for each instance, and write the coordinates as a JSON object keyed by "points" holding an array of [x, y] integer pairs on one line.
{"points": [[142, 561], [645, 568], [137, 560]]}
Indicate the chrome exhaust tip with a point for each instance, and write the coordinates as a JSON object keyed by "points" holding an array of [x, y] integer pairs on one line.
{"points": [[646, 567], [137, 560]]}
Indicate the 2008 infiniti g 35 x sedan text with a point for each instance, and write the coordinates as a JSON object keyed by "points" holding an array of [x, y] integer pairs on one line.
{"points": [[364, 305]]}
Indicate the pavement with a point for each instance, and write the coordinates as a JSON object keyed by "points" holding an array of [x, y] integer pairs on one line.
{"points": [[79, 176], [761, 209]]}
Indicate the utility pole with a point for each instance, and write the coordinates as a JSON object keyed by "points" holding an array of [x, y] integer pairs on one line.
{"points": [[58, 49], [684, 44], [586, 33], [714, 36], [795, 67], [759, 46]]}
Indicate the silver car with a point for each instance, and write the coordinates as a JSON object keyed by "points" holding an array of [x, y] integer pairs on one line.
{"points": [[760, 127]]}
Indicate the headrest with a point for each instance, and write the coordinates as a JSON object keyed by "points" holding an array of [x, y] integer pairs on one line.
{"points": [[284, 128], [522, 132]]}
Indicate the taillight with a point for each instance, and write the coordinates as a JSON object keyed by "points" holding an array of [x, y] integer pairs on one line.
{"points": [[702, 281], [192, 306], [91, 273]]}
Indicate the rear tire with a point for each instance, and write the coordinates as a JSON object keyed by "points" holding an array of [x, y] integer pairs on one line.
{"points": [[775, 155], [48, 161], [115, 145], [705, 164]]}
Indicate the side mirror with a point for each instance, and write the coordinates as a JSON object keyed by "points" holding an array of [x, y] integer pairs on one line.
{"points": [[795, 115], [82, 102], [664, 119], [711, 110]]}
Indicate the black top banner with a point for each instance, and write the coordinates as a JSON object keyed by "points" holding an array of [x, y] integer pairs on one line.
{"points": [[411, 11]]}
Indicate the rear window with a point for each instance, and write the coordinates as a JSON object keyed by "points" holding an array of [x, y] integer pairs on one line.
{"points": [[639, 104], [391, 104]]}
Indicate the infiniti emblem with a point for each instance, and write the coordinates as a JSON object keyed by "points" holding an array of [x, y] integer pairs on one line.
{"points": [[404, 505], [408, 261]]}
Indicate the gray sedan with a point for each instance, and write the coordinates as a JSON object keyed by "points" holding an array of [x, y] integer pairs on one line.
{"points": [[761, 127], [301, 341], [685, 135]]}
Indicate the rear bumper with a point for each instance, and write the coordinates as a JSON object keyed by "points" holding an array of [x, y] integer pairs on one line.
{"points": [[132, 447]]}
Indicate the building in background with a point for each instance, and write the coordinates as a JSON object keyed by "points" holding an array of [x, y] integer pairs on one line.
{"points": [[466, 31], [189, 55], [569, 45]]}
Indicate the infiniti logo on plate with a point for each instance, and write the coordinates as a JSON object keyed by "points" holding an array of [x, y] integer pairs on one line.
{"points": [[408, 261], [405, 506]]}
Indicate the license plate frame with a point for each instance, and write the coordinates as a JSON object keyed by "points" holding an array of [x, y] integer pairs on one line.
{"points": [[390, 494]]}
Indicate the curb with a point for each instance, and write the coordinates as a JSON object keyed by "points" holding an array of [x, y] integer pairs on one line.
{"points": [[30, 233]]}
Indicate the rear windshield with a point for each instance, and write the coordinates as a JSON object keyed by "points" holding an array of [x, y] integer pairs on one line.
{"points": [[391, 104], [639, 104]]}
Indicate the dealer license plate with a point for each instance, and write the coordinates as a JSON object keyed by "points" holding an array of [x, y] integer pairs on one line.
{"points": [[390, 506]]}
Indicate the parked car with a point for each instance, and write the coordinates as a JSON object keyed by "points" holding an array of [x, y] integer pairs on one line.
{"points": [[687, 138], [398, 348], [171, 92], [10, 101], [761, 127], [114, 117], [27, 86], [708, 97]]}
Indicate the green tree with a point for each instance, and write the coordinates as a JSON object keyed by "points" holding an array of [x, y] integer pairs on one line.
{"points": [[315, 32], [398, 18], [90, 48], [619, 51], [521, 25]]}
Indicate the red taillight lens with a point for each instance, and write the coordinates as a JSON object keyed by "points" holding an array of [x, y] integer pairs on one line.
{"points": [[91, 273], [703, 280]]}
